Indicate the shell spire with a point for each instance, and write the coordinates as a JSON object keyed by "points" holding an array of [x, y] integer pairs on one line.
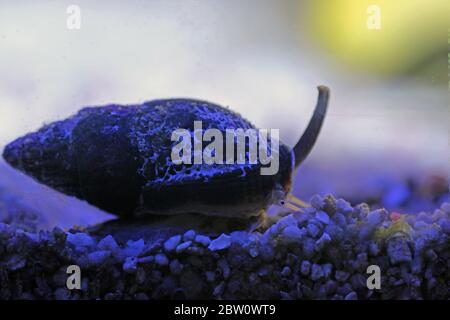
{"points": [[309, 137]]}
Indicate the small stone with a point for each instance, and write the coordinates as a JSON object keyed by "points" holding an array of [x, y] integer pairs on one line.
{"points": [[16, 262], [171, 243], [362, 257], [286, 271], [175, 267], [134, 248], [285, 296], [253, 252], [398, 250], [291, 234], [322, 241], [445, 225], [316, 272], [305, 267], [221, 243], [141, 296], [431, 255], [233, 286], [330, 287], [431, 234], [263, 271], [424, 217], [363, 210], [183, 246], [80, 239], [239, 237], [161, 259], [445, 207], [98, 257], [189, 235], [308, 247], [130, 265], [327, 268], [287, 221], [147, 259], [218, 290], [358, 281], [166, 287], [339, 219], [323, 217], [376, 217], [62, 294], [313, 230], [317, 202], [253, 278], [140, 275], [266, 252], [417, 264], [108, 243], [351, 296], [343, 206], [419, 225], [341, 276], [203, 240], [374, 249], [345, 289], [335, 232], [224, 267], [210, 276]]}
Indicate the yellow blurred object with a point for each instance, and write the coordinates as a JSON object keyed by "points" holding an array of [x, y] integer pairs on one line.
{"points": [[386, 36]]}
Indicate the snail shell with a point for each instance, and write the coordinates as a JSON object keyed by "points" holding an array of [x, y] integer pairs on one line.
{"points": [[118, 158]]}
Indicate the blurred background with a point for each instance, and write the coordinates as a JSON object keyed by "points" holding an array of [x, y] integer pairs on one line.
{"points": [[386, 137]]}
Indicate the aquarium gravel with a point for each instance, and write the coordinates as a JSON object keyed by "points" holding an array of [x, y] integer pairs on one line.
{"points": [[321, 253]]}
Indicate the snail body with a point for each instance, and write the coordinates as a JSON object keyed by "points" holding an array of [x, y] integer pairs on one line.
{"points": [[118, 158]]}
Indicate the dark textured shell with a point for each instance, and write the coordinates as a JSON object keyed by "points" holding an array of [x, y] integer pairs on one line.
{"points": [[118, 159]]}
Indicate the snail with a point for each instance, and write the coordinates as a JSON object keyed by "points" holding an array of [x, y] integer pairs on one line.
{"points": [[118, 158]]}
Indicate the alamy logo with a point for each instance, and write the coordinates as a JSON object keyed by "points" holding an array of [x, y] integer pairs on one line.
{"points": [[374, 280], [189, 149], [74, 19], [374, 17], [74, 280]]}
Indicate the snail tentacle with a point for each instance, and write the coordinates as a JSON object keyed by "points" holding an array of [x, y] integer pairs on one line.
{"points": [[309, 137]]}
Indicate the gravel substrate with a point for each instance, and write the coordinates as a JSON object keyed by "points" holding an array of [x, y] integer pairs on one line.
{"points": [[322, 253]]}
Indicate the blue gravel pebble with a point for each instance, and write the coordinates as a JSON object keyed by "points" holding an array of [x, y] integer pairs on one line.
{"points": [[189, 235], [316, 272], [130, 265], [323, 217], [305, 267], [172, 243], [161, 259], [183, 246], [221, 243], [175, 267], [313, 230], [80, 239], [98, 257], [108, 243], [204, 240]]}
